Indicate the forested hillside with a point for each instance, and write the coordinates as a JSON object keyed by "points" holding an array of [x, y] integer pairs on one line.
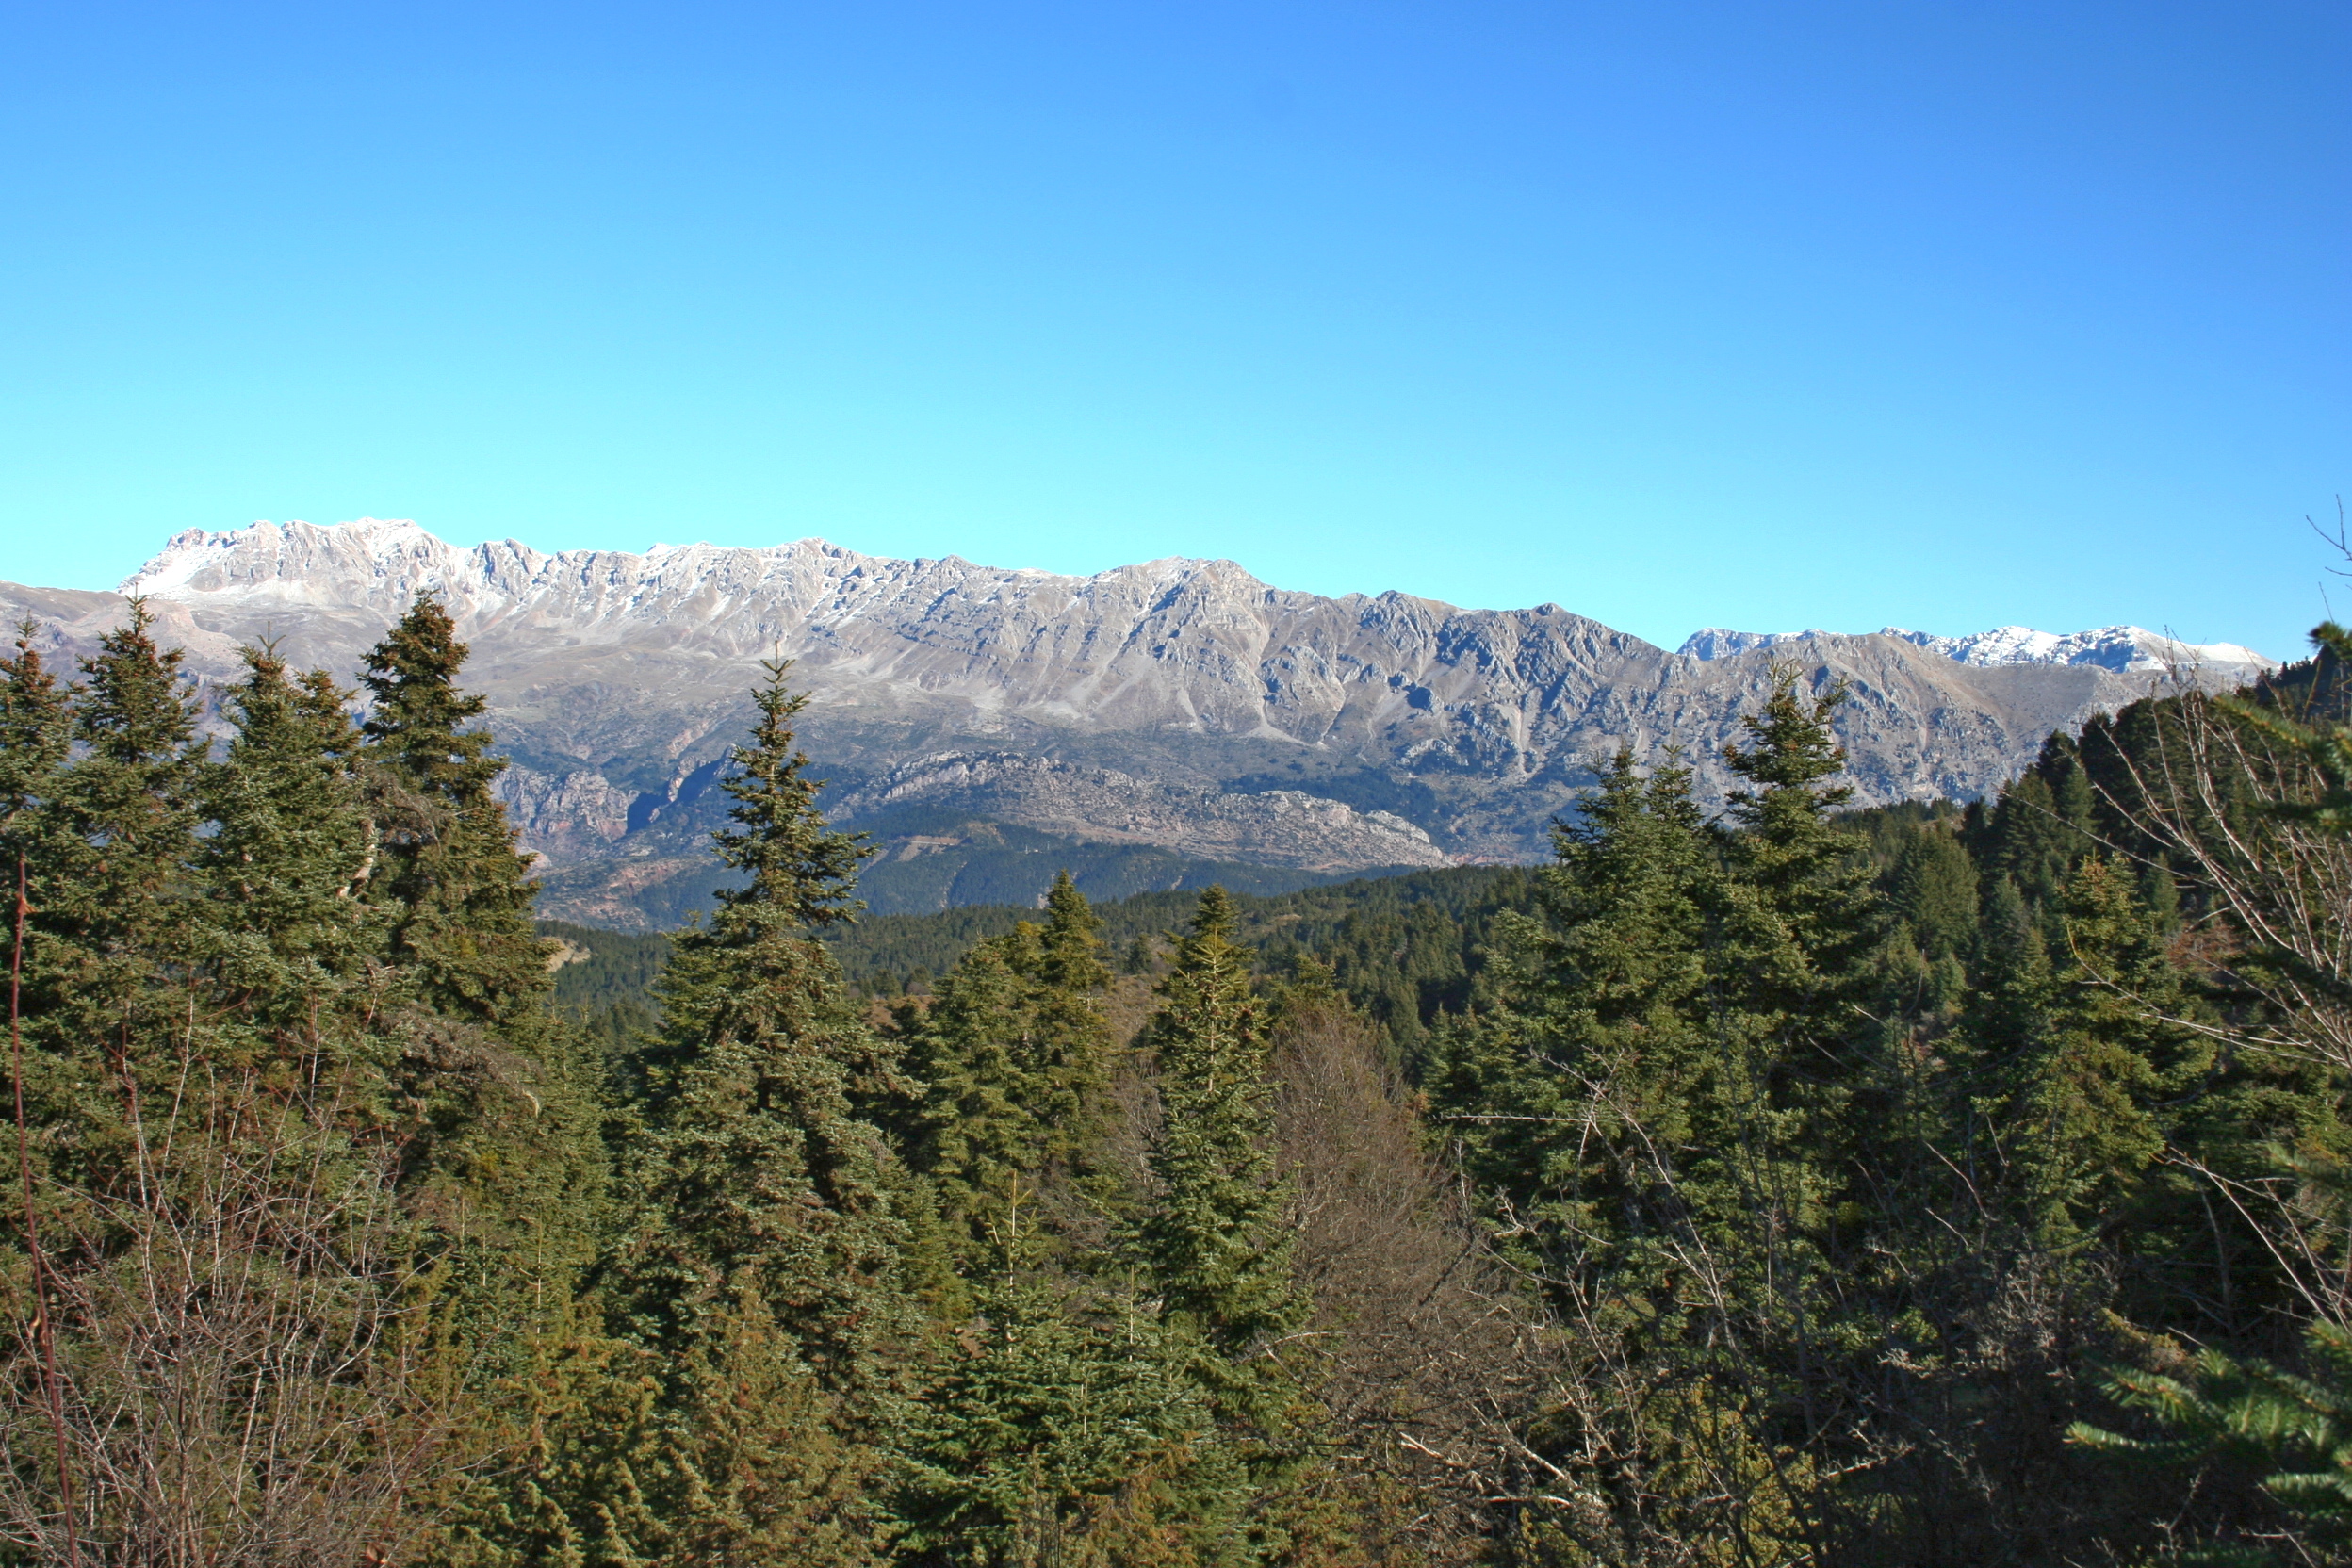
{"points": [[1786, 1185]]}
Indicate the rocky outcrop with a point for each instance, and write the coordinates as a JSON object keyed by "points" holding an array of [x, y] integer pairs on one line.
{"points": [[1178, 702], [1273, 828]]}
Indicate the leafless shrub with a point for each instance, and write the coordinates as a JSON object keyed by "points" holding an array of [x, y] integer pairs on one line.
{"points": [[2226, 797], [1435, 1361], [242, 1361]]}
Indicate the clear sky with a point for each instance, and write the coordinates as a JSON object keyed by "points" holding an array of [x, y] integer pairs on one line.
{"points": [[1762, 315]]}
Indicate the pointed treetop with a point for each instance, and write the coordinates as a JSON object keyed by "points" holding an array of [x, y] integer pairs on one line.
{"points": [[33, 730], [416, 711], [1791, 745], [1214, 917], [137, 709], [802, 871], [1070, 945]]}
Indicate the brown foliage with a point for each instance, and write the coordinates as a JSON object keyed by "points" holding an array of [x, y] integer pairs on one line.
{"points": [[1433, 1360]]}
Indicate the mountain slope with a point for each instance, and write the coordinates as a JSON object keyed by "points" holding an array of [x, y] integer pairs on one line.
{"points": [[1177, 704], [2124, 649]]}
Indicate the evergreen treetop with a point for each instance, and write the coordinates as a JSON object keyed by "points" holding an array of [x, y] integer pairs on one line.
{"points": [[801, 872], [755, 1174], [1216, 1244], [460, 889]]}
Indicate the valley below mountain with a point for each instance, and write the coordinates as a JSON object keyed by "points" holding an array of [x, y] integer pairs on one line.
{"points": [[1160, 724]]}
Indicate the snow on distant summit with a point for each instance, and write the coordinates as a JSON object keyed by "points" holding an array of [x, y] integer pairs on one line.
{"points": [[1177, 703], [2125, 650]]}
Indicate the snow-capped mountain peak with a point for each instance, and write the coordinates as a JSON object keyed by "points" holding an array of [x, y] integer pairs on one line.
{"points": [[2125, 650]]}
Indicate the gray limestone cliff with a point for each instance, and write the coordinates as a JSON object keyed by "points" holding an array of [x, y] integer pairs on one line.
{"points": [[1177, 703]]}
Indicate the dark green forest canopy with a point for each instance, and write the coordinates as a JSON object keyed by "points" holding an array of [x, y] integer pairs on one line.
{"points": [[1405, 949]]}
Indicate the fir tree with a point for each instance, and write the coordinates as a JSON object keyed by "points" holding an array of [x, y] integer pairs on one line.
{"points": [[460, 889], [2041, 825], [286, 867], [1802, 872], [2108, 1070], [755, 1191], [976, 1127], [36, 738], [1932, 889], [1564, 1099], [1215, 1246], [1014, 1059], [1214, 1243], [1066, 1395], [130, 802], [1072, 1063], [503, 1144]]}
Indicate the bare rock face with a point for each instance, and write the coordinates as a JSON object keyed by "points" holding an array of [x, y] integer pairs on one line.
{"points": [[1274, 828], [1180, 703]]}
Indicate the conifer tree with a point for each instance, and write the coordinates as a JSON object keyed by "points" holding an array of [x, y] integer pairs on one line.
{"points": [[1802, 872], [108, 891], [285, 868], [1933, 888], [493, 1098], [2008, 1008], [1067, 1397], [1014, 1060], [458, 888], [228, 1265], [1215, 1248], [1563, 1100], [976, 1127], [1074, 1044], [1214, 1243], [130, 809], [36, 738], [2041, 824], [1826, 1143], [1612, 1102], [755, 1193], [503, 1143]]}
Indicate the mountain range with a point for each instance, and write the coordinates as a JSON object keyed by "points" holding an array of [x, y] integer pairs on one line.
{"points": [[2124, 649], [1154, 725]]}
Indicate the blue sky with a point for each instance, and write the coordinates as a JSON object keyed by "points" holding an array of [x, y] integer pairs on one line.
{"points": [[1948, 315]]}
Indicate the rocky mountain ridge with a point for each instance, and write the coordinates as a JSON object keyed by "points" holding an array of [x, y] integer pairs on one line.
{"points": [[1178, 704], [2125, 650]]}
